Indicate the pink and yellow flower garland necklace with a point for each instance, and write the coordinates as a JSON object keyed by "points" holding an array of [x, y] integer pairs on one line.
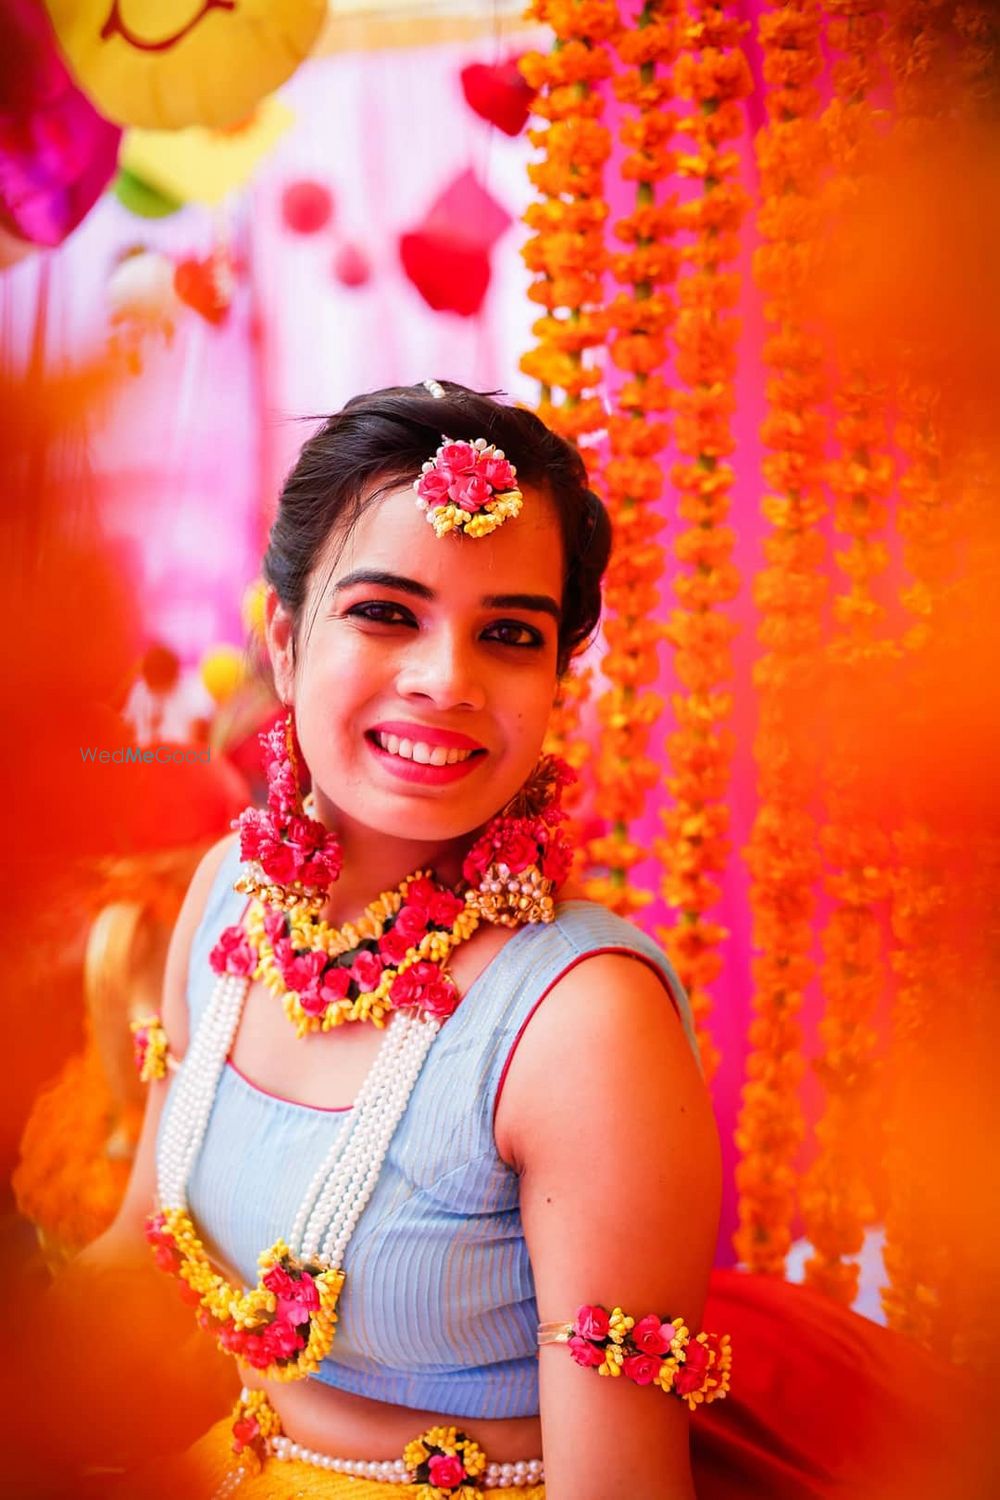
{"points": [[392, 960]]}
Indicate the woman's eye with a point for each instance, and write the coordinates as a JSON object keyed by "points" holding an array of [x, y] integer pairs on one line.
{"points": [[513, 633], [381, 613]]}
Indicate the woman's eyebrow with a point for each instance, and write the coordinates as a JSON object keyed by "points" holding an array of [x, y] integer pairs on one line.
{"points": [[535, 603], [538, 603], [382, 580]]}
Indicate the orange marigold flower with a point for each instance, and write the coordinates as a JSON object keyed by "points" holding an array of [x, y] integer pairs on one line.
{"points": [[648, 166], [620, 854], [574, 422], [722, 124], [713, 27], [640, 314], [571, 336], [588, 20], [639, 478], [651, 94], [555, 214], [565, 103], [647, 263], [643, 131], [632, 669], [550, 367], [638, 438], [572, 63], [651, 394], [713, 75], [652, 221], [639, 352], [556, 177]]}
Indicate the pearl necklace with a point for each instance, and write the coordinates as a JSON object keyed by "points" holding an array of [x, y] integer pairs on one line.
{"points": [[284, 1326]]}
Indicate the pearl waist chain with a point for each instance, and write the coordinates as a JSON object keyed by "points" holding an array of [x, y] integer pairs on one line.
{"points": [[519, 1475], [442, 1461]]}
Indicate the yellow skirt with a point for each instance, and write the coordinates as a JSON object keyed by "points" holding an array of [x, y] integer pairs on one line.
{"points": [[199, 1472]]}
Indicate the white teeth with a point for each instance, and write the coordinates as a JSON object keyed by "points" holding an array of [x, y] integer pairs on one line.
{"points": [[423, 754]]}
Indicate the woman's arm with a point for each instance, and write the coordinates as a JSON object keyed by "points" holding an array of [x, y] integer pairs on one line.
{"points": [[122, 1243], [605, 1115]]}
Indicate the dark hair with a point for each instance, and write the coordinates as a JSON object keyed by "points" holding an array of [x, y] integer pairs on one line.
{"points": [[381, 440]]}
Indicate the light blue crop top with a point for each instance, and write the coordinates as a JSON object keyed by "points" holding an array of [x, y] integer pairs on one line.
{"points": [[438, 1311]]}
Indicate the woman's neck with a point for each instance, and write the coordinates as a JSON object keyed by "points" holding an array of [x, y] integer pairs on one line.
{"points": [[375, 862]]}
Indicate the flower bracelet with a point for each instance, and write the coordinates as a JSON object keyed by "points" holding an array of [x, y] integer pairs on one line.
{"points": [[650, 1351], [151, 1049]]}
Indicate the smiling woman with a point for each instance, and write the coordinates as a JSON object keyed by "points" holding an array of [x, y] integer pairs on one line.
{"points": [[485, 1131]]}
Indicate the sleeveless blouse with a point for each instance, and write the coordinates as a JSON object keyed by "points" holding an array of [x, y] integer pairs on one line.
{"points": [[438, 1310]]}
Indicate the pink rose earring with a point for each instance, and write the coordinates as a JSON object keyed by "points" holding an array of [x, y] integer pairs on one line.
{"points": [[292, 858], [518, 863]]}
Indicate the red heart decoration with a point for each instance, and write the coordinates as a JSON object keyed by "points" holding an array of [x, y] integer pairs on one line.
{"points": [[450, 274], [196, 284], [499, 94]]}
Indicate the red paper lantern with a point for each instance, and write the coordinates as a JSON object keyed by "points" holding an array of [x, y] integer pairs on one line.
{"points": [[306, 206], [450, 274], [499, 94], [351, 266], [447, 256]]}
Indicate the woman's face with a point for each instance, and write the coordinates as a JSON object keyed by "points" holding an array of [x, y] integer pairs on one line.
{"points": [[426, 667]]}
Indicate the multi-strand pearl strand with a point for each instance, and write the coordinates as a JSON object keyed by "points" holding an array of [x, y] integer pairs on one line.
{"points": [[343, 1183], [194, 1089], [345, 1180]]}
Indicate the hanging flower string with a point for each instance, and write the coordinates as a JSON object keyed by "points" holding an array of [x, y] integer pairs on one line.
{"points": [[640, 316], [918, 48], [566, 255], [565, 252], [712, 76], [788, 593], [838, 1190]]}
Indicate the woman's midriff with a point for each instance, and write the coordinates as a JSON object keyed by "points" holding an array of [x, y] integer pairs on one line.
{"points": [[346, 1426]]}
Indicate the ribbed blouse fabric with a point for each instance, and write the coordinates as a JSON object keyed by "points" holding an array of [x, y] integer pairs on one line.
{"points": [[438, 1311]]}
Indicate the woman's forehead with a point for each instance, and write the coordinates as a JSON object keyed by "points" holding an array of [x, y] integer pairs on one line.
{"points": [[392, 535]]}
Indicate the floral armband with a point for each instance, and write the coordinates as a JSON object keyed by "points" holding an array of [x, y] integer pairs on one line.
{"points": [[650, 1351], [152, 1052]]}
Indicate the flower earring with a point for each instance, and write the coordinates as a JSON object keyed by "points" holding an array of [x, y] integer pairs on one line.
{"points": [[523, 856], [292, 858]]}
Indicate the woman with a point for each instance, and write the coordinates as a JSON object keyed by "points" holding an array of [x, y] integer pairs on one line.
{"points": [[515, 1163]]}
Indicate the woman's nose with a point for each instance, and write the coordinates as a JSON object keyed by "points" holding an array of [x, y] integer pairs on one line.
{"points": [[440, 668]]}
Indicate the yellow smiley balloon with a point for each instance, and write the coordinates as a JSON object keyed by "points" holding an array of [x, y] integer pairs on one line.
{"points": [[164, 64]]}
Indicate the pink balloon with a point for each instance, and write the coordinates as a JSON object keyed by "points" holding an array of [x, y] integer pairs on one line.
{"points": [[351, 266], [57, 154], [306, 206]]}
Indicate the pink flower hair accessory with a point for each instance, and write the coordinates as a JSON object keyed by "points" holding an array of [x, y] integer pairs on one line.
{"points": [[468, 487]]}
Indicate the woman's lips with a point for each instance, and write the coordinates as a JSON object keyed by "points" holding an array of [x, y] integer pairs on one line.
{"points": [[450, 738], [418, 772]]}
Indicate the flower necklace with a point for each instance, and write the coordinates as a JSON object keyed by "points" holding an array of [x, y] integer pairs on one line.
{"points": [[391, 960], [325, 976]]}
